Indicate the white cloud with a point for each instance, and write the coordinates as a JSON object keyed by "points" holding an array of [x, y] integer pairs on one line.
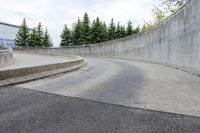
{"points": [[55, 13]]}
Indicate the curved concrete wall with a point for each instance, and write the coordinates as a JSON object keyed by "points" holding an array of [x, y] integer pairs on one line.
{"points": [[6, 57], [176, 41], [77, 62], [24, 74]]}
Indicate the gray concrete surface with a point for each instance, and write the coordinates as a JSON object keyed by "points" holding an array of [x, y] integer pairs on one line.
{"points": [[129, 83], [175, 42], [27, 111], [30, 67], [30, 60]]}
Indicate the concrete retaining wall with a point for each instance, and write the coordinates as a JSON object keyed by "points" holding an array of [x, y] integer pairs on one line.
{"points": [[176, 41], [6, 57]]}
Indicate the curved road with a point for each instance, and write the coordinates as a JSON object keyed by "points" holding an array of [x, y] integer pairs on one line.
{"points": [[109, 96], [128, 83]]}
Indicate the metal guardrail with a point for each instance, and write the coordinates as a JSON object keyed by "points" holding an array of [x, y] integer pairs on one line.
{"points": [[5, 49]]}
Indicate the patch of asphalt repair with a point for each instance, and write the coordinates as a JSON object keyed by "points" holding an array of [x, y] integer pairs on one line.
{"points": [[23, 110]]}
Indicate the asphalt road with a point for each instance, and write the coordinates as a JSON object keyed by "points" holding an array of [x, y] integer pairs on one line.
{"points": [[129, 83], [105, 96], [27, 111]]}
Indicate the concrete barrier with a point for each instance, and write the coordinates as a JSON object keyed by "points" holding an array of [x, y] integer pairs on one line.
{"points": [[6, 56], [18, 75], [175, 41]]}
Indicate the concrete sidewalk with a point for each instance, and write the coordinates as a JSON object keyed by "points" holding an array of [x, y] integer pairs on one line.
{"points": [[23, 60], [30, 67]]}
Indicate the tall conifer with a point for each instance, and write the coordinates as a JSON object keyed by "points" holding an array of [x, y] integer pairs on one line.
{"points": [[112, 30], [47, 42], [65, 37], [23, 36]]}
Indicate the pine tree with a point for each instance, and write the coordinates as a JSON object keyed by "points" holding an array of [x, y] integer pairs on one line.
{"points": [[101, 30], [83, 32], [39, 35], [104, 31], [118, 31], [33, 39], [112, 30], [22, 37], [123, 31], [47, 42], [98, 31], [136, 30], [86, 29], [129, 29], [94, 32], [65, 37], [77, 33]]}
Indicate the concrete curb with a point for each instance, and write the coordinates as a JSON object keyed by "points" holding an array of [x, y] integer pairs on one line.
{"points": [[13, 76]]}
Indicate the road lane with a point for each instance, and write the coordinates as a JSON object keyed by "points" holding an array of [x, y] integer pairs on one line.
{"points": [[129, 83]]}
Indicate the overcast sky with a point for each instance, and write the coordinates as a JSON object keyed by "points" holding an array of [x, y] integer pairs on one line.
{"points": [[55, 13]]}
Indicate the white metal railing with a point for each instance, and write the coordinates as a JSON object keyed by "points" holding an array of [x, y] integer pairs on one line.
{"points": [[5, 49]]}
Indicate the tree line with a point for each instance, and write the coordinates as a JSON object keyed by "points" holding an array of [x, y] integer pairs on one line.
{"points": [[33, 37], [85, 32]]}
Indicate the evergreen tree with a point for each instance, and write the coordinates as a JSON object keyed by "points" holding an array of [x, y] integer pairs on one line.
{"points": [[94, 32], [123, 31], [39, 35], [98, 31], [83, 32], [47, 42], [33, 38], [118, 31], [129, 29], [65, 37], [86, 29], [136, 30], [22, 37], [104, 31], [112, 30], [77, 33]]}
